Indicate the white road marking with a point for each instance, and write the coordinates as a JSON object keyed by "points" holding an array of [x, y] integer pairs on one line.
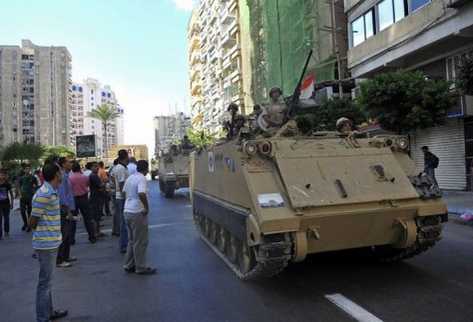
{"points": [[353, 309], [150, 227]]}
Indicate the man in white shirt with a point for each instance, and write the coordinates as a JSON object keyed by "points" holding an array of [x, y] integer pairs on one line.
{"points": [[131, 167], [120, 174], [136, 216]]}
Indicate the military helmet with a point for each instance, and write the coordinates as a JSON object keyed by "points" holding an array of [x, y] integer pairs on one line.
{"points": [[342, 121], [275, 89]]}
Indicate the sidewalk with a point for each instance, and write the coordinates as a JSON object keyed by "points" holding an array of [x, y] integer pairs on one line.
{"points": [[458, 202]]}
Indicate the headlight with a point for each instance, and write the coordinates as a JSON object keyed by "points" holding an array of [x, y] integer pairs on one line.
{"points": [[403, 143], [265, 148], [250, 148]]}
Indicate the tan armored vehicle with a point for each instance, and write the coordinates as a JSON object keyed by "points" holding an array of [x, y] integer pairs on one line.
{"points": [[173, 171], [262, 203]]}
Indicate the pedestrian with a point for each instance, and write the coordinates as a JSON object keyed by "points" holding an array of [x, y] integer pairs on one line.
{"points": [[67, 207], [131, 167], [116, 217], [120, 174], [97, 191], [104, 177], [136, 216], [80, 190], [431, 162], [88, 167], [27, 185], [6, 204], [46, 224]]}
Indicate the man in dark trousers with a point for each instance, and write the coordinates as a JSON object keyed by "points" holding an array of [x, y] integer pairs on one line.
{"points": [[66, 201], [97, 197], [27, 185], [431, 162]]}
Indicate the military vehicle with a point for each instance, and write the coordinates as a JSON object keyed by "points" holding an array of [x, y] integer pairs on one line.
{"points": [[263, 202], [173, 169]]}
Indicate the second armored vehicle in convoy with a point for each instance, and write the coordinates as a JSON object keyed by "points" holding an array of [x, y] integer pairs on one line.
{"points": [[173, 169]]}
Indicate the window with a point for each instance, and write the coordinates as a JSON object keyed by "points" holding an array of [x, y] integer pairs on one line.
{"points": [[108, 95], [386, 14], [391, 11], [73, 87], [362, 28], [103, 94], [416, 4], [80, 89]]}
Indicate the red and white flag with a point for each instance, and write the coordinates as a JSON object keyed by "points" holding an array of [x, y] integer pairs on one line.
{"points": [[307, 87]]}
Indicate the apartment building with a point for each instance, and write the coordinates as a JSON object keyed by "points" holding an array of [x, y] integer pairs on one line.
{"points": [[34, 94], [426, 35], [215, 61], [85, 97], [169, 129]]}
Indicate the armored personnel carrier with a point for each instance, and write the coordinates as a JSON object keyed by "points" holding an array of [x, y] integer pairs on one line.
{"points": [[173, 171], [262, 203]]}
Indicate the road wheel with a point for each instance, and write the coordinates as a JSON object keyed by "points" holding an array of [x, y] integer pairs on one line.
{"points": [[169, 189], [222, 239], [246, 258], [232, 249], [213, 233]]}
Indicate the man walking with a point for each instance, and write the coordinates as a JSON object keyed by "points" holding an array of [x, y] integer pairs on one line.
{"points": [[80, 189], [6, 204], [46, 224], [27, 185], [66, 201], [431, 162], [120, 174], [136, 216]]}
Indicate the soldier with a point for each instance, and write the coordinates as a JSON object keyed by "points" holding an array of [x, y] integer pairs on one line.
{"points": [[186, 143], [274, 114], [344, 125], [235, 123]]}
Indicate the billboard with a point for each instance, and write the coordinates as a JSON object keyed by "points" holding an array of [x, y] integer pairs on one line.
{"points": [[85, 146]]}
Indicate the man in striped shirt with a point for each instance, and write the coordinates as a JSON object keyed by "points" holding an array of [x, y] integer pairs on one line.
{"points": [[45, 222]]}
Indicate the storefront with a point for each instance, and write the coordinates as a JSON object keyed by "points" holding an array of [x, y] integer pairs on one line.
{"points": [[447, 142]]}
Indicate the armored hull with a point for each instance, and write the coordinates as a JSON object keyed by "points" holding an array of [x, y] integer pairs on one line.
{"points": [[173, 173], [263, 203]]}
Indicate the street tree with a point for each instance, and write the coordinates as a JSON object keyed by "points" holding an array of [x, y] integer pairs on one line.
{"points": [[201, 139], [104, 113], [58, 150], [404, 101]]}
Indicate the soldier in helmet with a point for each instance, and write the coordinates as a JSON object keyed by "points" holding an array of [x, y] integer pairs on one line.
{"points": [[235, 123], [344, 125], [274, 114]]}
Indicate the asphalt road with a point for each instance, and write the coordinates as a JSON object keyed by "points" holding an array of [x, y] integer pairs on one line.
{"points": [[193, 284]]}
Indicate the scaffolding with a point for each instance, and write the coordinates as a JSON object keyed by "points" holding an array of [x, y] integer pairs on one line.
{"points": [[282, 33]]}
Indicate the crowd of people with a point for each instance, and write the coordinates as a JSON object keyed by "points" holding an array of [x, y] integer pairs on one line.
{"points": [[54, 198]]}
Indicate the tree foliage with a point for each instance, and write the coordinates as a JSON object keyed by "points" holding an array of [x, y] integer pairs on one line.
{"points": [[465, 75], [404, 101], [20, 152], [325, 116], [201, 139], [58, 150], [104, 113]]}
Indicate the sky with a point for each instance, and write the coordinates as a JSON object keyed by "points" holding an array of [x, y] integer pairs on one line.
{"points": [[138, 47]]}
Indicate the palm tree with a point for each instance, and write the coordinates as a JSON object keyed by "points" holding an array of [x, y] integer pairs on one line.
{"points": [[104, 113]]}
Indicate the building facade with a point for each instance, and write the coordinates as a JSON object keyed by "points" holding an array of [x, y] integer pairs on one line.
{"points": [[35, 94], [215, 61], [169, 129], [427, 35], [85, 97]]}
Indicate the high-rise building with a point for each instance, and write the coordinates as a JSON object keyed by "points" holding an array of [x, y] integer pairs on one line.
{"points": [[87, 96], [169, 129], [215, 66], [34, 94]]}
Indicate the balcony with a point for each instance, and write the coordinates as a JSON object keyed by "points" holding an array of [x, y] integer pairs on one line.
{"points": [[195, 41], [226, 16], [196, 88], [195, 58], [228, 41], [232, 52]]}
